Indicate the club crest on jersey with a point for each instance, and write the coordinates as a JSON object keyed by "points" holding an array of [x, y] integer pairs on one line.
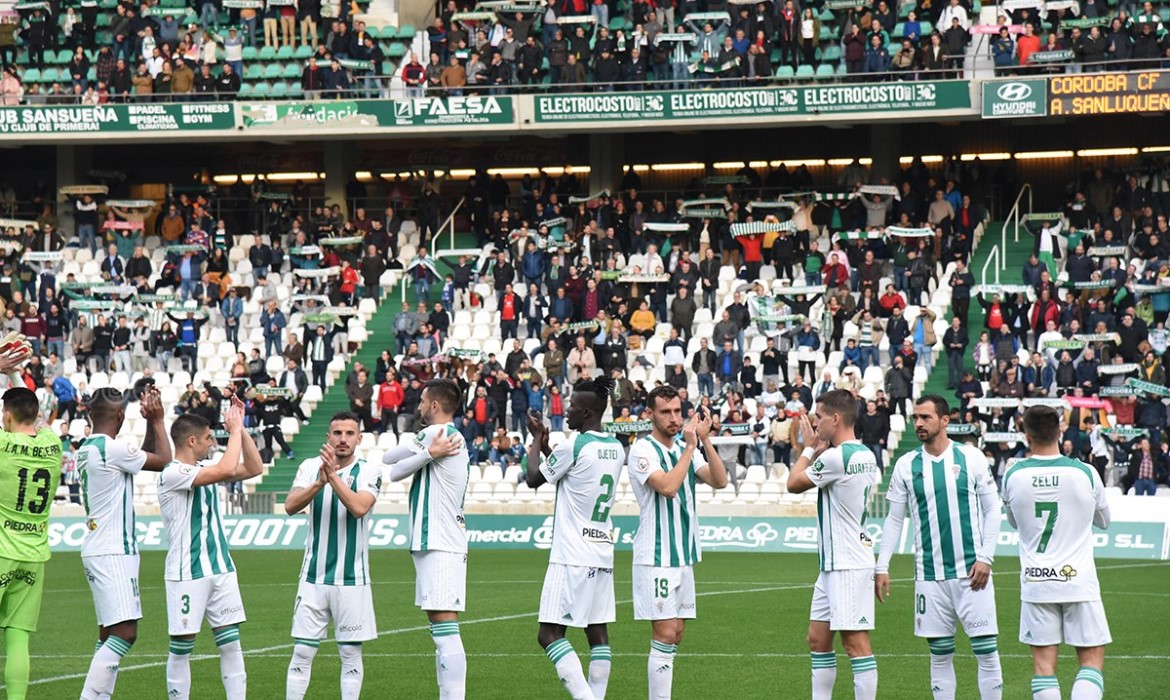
{"points": [[955, 471], [643, 464], [817, 469], [91, 524]]}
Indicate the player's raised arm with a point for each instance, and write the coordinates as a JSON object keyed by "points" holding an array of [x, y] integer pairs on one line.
{"points": [[668, 483], [798, 479], [1101, 516], [359, 502], [537, 452], [714, 473], [156, 446], [252, 464], [225, 469], [299, 497], [404, 461]]}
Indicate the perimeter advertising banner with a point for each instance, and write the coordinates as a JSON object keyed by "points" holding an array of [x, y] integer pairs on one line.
{"points": [[148, 118], [754, 102], [1123, 540], [349, 114]]}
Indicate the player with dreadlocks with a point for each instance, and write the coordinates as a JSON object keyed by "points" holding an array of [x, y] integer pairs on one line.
{"points": [[578, 587]]}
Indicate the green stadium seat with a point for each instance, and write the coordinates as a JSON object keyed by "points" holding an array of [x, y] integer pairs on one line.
{"points": [[617, 23], [273, 71], [295, 90], [406, 31], [254, 72], [50, 75], [31, 75], [775, 56], [260, 90], [103, 21], [785, 72], [396, 50], [824, 71], [91, 76], [280, 90], [388, 32], [250, 53], [805, 71], [291, 71], [827, 16], [303, 52], [899, 31], [831, 53], [245, 90], [108, 4], [62, 57], [267, 53], [284, 53], [927, 28]]}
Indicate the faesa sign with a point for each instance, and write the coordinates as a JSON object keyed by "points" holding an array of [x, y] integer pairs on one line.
{"points": [[1123, 540], [350, 114]]}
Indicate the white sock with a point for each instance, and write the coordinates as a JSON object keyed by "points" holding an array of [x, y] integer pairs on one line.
{"points": [[300, 669], [660, 669], [599, 665], [179, 669], [1089, 685], [942, 668], [990, 672], [1045, 688], [865, 677], [568, 667], [231, 662], [824, 674], [352, 670], [103, 670], [450, 660]]}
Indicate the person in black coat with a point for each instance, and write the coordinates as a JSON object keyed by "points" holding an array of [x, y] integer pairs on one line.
{"points": [[294, 378], [228, 83], [606, 71]]}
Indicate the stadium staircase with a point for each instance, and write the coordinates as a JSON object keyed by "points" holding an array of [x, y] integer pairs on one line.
{"points": [[307, 442]]}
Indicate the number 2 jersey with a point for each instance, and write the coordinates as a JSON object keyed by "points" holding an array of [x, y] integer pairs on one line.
{"points": [[585, 471], [437, 492], [196, 542], [1054, 501], [30, 469], [106, 467], [844, 476], [668, 528]]}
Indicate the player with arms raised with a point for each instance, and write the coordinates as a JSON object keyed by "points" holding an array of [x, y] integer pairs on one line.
{"points": [[437, 461], [1054, 501], [844, 472], [578, 587], [107, 466], [948, 492], [30, 469], [339, 490], [200, 575], [666, 546]]}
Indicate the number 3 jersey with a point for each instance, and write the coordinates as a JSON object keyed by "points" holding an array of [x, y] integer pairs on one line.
{"points": [[106, 467], [28, 481], [1054, 503], [585, 471], [196, 542]]}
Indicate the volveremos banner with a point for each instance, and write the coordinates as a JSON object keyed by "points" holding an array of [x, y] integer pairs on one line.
{"points": [[349, 114], [754, 102], [1123, 540], [150, 118]]}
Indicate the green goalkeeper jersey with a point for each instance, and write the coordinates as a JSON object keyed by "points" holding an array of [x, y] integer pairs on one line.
{"points": [[30, 469]]}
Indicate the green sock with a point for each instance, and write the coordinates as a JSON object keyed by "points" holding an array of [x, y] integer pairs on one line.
{"points": [[16, 663]]}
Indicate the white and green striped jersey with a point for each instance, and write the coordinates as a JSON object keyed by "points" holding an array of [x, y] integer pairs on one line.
{"points": [[942, 497], [437, 492], [844, 476], [336, 553], [196, 542], [1054, 501], [668, 528], [585, 471], [106, 468]]}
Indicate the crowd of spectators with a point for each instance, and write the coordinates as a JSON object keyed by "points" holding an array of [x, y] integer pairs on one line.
{"points": [[198, 51]]}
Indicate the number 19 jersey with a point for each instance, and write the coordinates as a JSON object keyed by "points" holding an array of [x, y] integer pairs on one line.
{"points": [[106, 467], [1053, 502], [668, 528], [585, 471]]}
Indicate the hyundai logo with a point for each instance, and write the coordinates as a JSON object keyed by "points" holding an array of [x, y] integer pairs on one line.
{"points": [[1014, 92]]}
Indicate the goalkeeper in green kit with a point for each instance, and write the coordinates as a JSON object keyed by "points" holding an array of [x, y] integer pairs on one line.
{"points": [[30, 468]]}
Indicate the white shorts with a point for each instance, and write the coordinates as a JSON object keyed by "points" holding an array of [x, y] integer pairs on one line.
{"points": [[440, 582], [939, 606], [212, 598], [113, 580], [350, 608], [664, 593], [577, 596], [1078, 624], [844, 599]]}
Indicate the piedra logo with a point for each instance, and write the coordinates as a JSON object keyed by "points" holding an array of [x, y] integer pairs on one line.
{"points": [[1037, 574]]}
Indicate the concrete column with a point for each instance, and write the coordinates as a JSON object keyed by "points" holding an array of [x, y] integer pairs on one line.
{"points": [[73, 166], [340, 165], [885, 147], [606, 156]]}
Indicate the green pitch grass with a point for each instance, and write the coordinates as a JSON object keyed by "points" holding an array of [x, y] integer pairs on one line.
{"points": [[747, 643]]}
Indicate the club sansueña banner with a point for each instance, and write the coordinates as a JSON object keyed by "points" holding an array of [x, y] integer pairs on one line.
{"points": [[1123, 540], [72, 119], [755, 102]]}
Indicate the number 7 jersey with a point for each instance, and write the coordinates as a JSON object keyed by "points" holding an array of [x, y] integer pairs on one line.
{"points": [[585, 471]]}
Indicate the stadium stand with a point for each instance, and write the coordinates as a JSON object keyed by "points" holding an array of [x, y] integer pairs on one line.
{"points": [[98, 52]]}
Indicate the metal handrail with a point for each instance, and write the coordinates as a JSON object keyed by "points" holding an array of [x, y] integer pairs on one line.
{"points": [[1014, 219], [449, 222], [993, 256]]}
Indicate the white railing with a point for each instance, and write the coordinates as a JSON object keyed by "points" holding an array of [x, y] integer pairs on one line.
{"points": [[449, 226], [1014, 219], [994, 256]]}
